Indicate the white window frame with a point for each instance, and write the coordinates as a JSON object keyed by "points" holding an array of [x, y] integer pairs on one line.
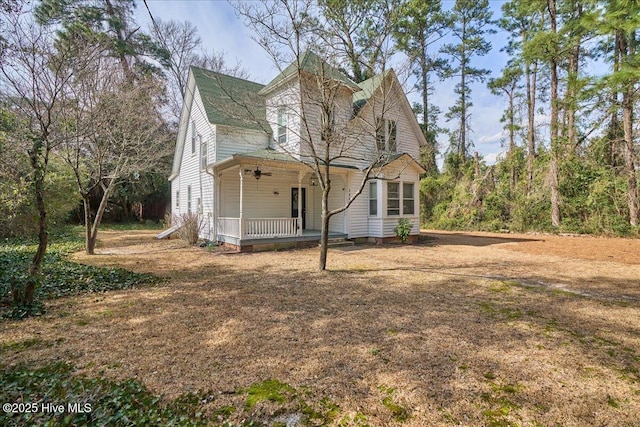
{"points": [[193, 137], [177, 199], [203, 153], [189, 198], [282, 125], [411, 198], [397, 199], [386, 135], [373, 198]]}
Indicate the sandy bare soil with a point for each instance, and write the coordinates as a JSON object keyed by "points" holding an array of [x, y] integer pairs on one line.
{"points": [[464, 329]]}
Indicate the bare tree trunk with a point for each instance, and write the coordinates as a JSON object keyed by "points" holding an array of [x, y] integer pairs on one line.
{"points": [[92, 229], [39, 165], [531, 115], [553, 164], [462, 148], [512, 142], [629, 161], [324, 234]]}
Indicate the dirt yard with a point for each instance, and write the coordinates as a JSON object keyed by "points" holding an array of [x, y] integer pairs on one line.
{"points": [[463, 329]]}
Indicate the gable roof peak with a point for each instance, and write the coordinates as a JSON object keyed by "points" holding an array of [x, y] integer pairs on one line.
{"points": [[311, 63]]}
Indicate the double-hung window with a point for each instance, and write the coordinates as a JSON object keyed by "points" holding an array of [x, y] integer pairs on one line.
{"points": [[373, 198], [188, 198], [408, 205], [386, 135], [194, 135], [393, 198], [282, 125], [203, 153]]}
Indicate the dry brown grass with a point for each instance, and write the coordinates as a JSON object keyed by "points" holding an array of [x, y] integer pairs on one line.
{"points": [[466, 329]]}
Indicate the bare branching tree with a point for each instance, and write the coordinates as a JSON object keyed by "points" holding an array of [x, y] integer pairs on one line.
{"points": [[35, 73], [317, 101], [117, 134], [182, 47]]}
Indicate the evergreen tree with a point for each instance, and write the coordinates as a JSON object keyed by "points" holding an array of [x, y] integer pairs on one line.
{"points": [[471, 21], [423, 24]]}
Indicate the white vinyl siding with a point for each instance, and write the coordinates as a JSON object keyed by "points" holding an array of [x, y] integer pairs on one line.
{"points": [[230, 141]]}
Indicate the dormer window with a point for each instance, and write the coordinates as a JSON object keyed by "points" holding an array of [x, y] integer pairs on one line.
{"points": [[282, 125], [386, 135]]}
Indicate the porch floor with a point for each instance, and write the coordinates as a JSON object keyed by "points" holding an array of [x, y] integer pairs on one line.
{"points": [[307, 236]]}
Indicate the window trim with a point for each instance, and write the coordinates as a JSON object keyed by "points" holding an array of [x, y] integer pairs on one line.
{"points": [[282, 119], [397, 199], [193, 137], [188, 199], [177, 199], [373, 185], [203, 153], [386, 135], [406, 199]]}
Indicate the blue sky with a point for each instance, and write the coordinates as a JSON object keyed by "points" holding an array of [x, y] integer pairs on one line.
{"points": [[222, 30]]}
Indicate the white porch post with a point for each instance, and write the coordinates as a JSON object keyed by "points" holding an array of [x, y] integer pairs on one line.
{"points": [[241, 216], [300, 207]]}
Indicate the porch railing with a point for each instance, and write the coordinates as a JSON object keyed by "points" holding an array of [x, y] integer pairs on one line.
{"points": [[228, 226], [257, 228]]}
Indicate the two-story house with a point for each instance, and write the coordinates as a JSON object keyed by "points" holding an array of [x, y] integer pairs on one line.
{"points": [[247, 156]]}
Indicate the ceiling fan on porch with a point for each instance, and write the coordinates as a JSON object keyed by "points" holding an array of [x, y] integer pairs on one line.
{"points": [[257, 173]]}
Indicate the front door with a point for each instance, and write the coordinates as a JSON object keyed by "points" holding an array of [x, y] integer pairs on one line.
{"points": [[295, 205]]}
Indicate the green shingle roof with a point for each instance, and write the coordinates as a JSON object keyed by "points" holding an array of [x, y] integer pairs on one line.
{"points": [[312, 64], [367, 89], [231, 101]]}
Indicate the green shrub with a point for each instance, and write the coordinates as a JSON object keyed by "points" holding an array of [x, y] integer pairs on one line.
{"points": [[403, 229], [104, 402], [60, 277]]}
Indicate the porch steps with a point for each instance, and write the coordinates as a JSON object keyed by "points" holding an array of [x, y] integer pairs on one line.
{"points": [[337, 242]]}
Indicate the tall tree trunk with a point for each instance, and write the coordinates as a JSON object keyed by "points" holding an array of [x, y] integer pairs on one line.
{"points": [[92, 229], [87, 224], [627, 49], [531, 115], [39, 162], [462, 149], [629, 161], [553, 164], [324, 232], [512, 141]]}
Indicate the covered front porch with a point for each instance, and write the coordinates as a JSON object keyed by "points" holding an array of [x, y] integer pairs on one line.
{"points": [[264, 199]]}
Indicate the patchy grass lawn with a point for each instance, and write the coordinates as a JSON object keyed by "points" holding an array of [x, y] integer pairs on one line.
{"points": [[463, 330]]}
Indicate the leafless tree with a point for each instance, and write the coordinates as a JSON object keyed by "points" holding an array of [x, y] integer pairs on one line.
{"points": [[35, 73], [320, 101], [182, 47], [117, 133]]}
